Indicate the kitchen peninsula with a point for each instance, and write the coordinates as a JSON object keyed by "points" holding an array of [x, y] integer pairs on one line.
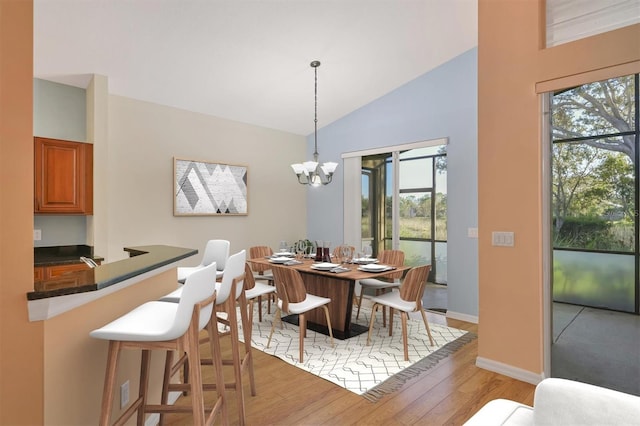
{"points": [[67, 315], [61, 293]]}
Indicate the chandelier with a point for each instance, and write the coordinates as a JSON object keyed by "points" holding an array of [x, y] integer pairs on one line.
{"points": [[311, 172]]}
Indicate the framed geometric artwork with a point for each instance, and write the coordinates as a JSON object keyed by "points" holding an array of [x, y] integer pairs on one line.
{"points": [[209, 189]]}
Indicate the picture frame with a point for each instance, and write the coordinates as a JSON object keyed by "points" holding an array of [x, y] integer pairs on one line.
{"points": [[205, 188]]}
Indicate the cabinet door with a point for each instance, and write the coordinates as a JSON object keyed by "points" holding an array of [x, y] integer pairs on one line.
{"points": [[63, 176], [57, 270], [54, 277], [38, 273]]}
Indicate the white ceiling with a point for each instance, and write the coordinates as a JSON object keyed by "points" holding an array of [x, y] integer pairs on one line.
{"points": [[248, 60]]}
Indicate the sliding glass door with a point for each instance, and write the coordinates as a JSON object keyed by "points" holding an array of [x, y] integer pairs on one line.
{"points": [[595, 194], [404, 205]]}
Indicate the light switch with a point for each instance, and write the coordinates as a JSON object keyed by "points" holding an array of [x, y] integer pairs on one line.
{"points": [[472, 232], [503, 239], [37, 234]]}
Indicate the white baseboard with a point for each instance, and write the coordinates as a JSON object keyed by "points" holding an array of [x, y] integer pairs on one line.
{"points": [[462, 317], [154, 418], [510, 371]]}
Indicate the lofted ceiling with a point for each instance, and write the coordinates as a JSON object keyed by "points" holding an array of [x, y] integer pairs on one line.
{"points": [[248, 60]]}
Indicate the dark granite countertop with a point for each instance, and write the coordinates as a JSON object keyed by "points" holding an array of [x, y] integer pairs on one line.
{"points": [[143, 259], [62, 255]]}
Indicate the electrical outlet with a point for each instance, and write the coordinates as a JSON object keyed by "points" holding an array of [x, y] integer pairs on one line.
{"points": [[124, 394], [37, 234], [472, 232]]}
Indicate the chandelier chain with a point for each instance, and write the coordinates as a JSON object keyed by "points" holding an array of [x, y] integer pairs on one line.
{"points": [[315, 120]]}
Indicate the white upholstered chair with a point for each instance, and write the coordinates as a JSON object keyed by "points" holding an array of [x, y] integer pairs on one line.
{"points": [[562, 402]]}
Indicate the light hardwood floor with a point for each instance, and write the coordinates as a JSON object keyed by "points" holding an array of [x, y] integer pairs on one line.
{"points": [[447, 394]]}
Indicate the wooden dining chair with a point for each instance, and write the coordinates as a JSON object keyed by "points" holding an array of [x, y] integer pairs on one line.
{"points": [[382, 284], [261, 272], [405, 300], [294, 299], [255, 290]]}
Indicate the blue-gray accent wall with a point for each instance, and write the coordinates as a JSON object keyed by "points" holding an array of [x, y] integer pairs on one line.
{"points": [[440, 103]]}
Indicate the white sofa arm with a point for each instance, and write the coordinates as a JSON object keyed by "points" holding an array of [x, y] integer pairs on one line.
{"points": [[565, 402], [502, 412]]}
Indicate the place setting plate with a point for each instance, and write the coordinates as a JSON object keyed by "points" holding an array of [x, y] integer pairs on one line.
{"points": [[365, 260], [324, 266], [280, 259], [375, 268]]}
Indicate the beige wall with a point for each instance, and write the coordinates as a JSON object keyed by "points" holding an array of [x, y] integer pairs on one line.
{"points": [[144, 138], [510, 64]]}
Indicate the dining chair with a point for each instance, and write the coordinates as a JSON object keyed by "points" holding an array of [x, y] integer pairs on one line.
{"points": [[170, 327], [261, 272], [255, 290], [214, 251], [294, 299], [408, 298], [382, 284]]}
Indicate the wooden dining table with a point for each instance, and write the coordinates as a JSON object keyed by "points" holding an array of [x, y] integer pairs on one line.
{"points": [[339, 287]]}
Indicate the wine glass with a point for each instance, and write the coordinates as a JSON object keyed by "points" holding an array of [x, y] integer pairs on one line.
{"points": [[368, 251], [301, 247], [346, 254]]}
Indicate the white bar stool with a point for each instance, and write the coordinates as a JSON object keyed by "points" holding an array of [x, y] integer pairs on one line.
{"points": [[170, 327], [229, 292], [215, 251]]}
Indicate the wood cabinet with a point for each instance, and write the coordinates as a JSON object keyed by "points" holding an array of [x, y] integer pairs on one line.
{"points": [[63, 176], [53, 278], [41, 273]]}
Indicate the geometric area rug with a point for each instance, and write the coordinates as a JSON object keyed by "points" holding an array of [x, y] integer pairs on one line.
{"points": [[371, 371]]}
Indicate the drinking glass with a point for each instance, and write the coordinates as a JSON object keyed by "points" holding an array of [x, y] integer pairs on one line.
{"points": [[346, 254], [301, 246], [283, 246], [367, 251]]}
